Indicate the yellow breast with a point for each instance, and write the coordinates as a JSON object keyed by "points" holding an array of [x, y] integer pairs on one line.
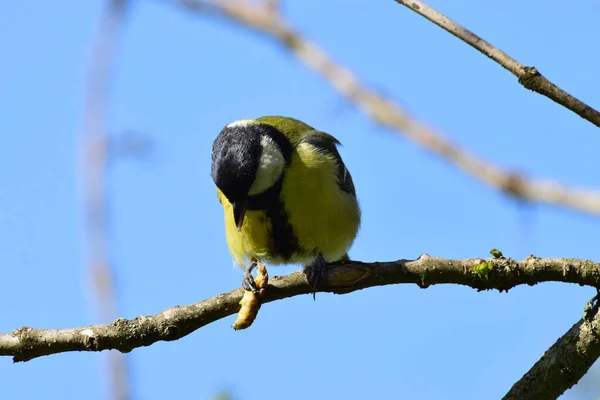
{"points": [[324, 218], [254, 241]]}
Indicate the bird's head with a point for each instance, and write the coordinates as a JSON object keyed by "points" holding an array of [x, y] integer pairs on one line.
{"points": [[248, 158]]}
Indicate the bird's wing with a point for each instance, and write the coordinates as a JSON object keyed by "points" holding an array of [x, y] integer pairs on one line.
{"points": [[328, 144]]}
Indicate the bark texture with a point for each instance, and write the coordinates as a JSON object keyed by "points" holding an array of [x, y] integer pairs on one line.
{"points": [[125, 335]]}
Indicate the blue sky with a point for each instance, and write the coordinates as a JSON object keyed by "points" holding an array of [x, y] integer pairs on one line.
{"points": [[179, 79]]}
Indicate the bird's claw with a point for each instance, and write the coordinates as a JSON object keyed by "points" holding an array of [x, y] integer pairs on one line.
{"points": [[317, 274], [248, 280]]}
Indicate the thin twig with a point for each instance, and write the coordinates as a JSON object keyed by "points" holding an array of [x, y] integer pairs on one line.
{"points": [[529, 77], [388, 113], [563, 364], [174, 323], [95, 161]]}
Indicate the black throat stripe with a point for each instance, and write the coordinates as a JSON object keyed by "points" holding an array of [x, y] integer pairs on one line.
{"points": [[284, 241]]}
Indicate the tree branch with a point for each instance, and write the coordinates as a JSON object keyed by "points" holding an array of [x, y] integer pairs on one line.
{"points": [[174, 323], [564, 363], [388, 113], [529, 77]]}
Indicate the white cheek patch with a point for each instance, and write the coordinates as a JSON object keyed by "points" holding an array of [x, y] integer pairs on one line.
{"points": [[241, 123], [270, 166]]}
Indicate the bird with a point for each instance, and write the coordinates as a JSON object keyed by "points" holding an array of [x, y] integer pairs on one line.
{"points": [[287, 196]]}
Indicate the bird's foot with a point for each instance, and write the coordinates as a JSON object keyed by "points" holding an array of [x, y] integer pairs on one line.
{"points": [[316, 274], [248, 280]]}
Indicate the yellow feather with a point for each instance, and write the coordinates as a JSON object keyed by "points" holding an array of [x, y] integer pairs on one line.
{"points": [[323, 216], [254, 241], [292, 128]]}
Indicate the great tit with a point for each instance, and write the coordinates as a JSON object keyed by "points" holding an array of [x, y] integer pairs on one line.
{"points": [[288, 198]]}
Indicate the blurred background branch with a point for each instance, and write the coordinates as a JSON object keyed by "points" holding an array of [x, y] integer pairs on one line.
{"points": [[96, 158], [386, 112]]}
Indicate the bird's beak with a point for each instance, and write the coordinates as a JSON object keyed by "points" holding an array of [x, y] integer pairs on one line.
{"points": [[239, 210]]}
